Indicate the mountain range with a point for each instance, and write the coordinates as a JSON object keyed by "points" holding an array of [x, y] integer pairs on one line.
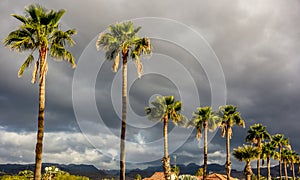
{"points": [[95, 174]]}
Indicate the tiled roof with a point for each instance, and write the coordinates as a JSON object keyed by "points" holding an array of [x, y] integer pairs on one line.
{"points": [[214, 176]]}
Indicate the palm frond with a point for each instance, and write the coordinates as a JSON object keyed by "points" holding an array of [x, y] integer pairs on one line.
{"points": [[35, 72], [21, 18], [25, 65], [139, 67], [59, 52], [116, 63]]}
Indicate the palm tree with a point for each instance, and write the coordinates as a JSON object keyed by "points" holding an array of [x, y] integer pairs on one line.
{"points": [[205, 119], [285, 155], [279, 141], [122, 41], [163, 109], [256, 134], [247, 154], [40, 32], [292, 160], [268, 150], [230, 117]]}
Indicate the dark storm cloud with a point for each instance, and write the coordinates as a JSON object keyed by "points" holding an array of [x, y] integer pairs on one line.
{"points": [[256, 42]]}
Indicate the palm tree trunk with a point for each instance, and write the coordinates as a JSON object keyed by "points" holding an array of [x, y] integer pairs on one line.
{"points": [[248, 171], [280, 164], [124, 111], [205, 151], [166, 158], [228, 163], [293, 171], [285, 169], [269, 167], [41, 116], [258, 160]]}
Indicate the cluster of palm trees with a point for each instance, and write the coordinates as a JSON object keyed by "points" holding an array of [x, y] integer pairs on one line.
{"points": [[263, 146], [204, 119], [40, 32]]}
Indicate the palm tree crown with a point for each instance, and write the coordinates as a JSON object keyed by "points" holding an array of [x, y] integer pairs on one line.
{"points": [[205, 116], [247, 154], [166, 107], [40, 31], [257, 133], [122, 39], [230, 116]]}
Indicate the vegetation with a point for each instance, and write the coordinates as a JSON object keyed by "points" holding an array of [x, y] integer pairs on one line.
{"points": [[247, 154], [268, 151], [205, 119], [54, 174], [40, 32], [138, 177], [230, 117], [176, 170], [122, 41], [256, 135], [164, 109], [279, 141], [199, 172]]}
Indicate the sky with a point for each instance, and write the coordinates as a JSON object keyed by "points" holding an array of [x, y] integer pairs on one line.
{"points": [[205, 53]]}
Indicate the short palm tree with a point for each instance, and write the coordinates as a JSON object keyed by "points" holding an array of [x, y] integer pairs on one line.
{"points": [[204, 118], [123, 41], [268, 150], [256, 135], [230, 117], [164, 109], [40, 32], [279, 141], [247, 154]]}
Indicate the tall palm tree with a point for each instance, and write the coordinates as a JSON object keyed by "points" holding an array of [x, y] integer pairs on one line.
{"points": [[204, 118], [163, 109], [293, 157], [256, 135], [123, 41], [40, 32], [285, 155], [230, 117], [279, 141], [247, 154], [268, 150]]}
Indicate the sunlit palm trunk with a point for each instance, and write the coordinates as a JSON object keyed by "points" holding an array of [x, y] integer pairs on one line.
{"points": [[280, 164], [248, 171], [228, 163], [205, 151], [166, 158], [124, 109], [293, 171], [269, 167], [258, 160], [41, 116], [285, 169]]}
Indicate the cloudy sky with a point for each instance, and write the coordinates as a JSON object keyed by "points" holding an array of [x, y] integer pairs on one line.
{"points": [[244, 53]]}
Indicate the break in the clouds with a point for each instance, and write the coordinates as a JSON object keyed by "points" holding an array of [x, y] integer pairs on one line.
{"points": [[257, 45]]}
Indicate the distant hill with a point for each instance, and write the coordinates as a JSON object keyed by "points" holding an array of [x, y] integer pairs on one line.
{"points": [[95, 174]]}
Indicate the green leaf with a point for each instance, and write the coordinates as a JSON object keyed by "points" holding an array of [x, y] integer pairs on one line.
{"points": [[25, 65]]}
